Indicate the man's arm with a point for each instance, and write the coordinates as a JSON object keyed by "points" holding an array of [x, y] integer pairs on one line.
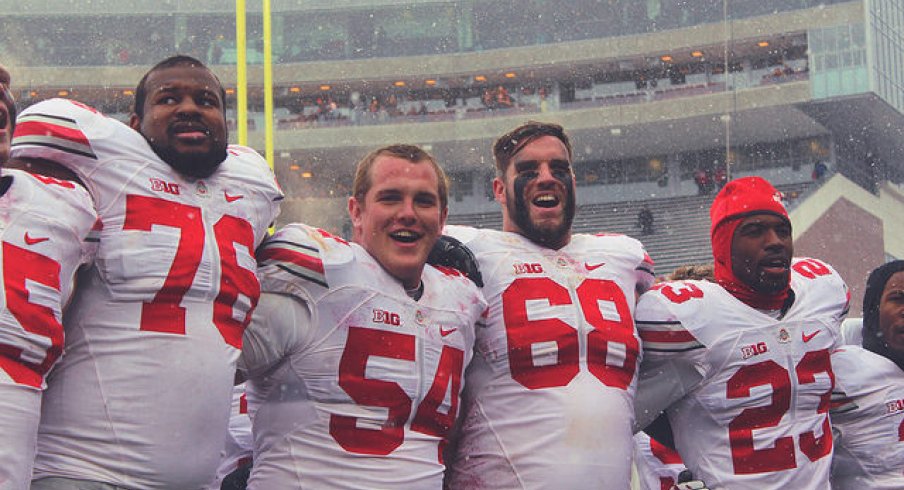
{"points": [[661, 384], [276, 328]]}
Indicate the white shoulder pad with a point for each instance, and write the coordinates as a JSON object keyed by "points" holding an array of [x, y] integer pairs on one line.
{"points": [[858, 372], [255, 170], [61, 130], [464, 234], [820, 286], [669, 316], [295, 258]]}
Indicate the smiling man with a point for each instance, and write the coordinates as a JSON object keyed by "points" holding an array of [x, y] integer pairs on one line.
{"points": [[549, 395], [141, 397], [741, 365], [356, 354]]}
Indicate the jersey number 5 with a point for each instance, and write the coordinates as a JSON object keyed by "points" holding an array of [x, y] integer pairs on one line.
{"points": [[363, 343], [612, 346], [164, 313], [20, 267]]}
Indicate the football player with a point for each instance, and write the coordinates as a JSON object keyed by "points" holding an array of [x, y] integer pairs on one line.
{"points": [[868, 402], [742, 365], [141, 399], [549, 396], [44, 238], [356, 353]]}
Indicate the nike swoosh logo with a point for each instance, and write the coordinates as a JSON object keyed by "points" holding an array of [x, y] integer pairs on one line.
{"points": [[807, 338], [232, 198], [34, 241], [591, 267], [445, 332]]}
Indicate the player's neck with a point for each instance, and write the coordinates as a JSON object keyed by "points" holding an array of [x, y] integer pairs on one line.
{"points": [[416, 292]]}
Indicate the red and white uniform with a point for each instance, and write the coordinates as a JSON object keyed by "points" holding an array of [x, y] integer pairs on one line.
{"points": [[747, 394], [44, 238], [141, 398], [549, 396], [352, 382], [239, 443], [658, 466], [867, 421]]}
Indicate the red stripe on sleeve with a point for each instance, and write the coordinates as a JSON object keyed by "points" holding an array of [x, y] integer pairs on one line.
{"points": [[38, 128], [679, 336], [301, 260]]}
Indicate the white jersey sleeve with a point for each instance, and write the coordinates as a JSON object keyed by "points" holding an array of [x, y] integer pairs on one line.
{"points": [[658, 466], [275, 330], [154, 331], [239, 441], [852, 331], [549, 395], [867, 421], [369, 389], [45, 227], [758, 415]]}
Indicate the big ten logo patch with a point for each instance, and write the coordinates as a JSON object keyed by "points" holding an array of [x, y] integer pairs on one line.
{"points": [[751, 350], [387, 318], [525, 268], [160, 185]]}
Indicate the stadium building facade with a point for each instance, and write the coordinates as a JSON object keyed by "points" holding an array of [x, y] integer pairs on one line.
{"points": [[664, 99]]}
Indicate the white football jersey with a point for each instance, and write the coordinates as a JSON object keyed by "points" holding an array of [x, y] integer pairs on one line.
{"points": [[658, 466], [867, 420], [44, 238], [239, 443], [548, 401], [747, 394], [141, 398], [362, 393]]}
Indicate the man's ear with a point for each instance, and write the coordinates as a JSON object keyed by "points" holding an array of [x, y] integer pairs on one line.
{"points": [[135, 122], [499, 190], [442, 218], [354, 211]]}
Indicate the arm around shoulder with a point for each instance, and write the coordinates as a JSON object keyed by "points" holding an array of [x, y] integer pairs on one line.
{"points": [[279, 325]]}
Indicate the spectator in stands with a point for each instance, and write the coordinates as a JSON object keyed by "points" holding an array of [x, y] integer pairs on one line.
{"points": [[544, 103], [720, 177], [701, 178], [503, 99], [820, 168], [392, 105], [489, 98], [645, 220]]}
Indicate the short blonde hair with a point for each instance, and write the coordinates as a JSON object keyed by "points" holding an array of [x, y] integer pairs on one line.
{"points": [[411, 153]]}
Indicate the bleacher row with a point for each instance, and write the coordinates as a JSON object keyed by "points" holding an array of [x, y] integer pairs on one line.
{"points": [[680, 230]]}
